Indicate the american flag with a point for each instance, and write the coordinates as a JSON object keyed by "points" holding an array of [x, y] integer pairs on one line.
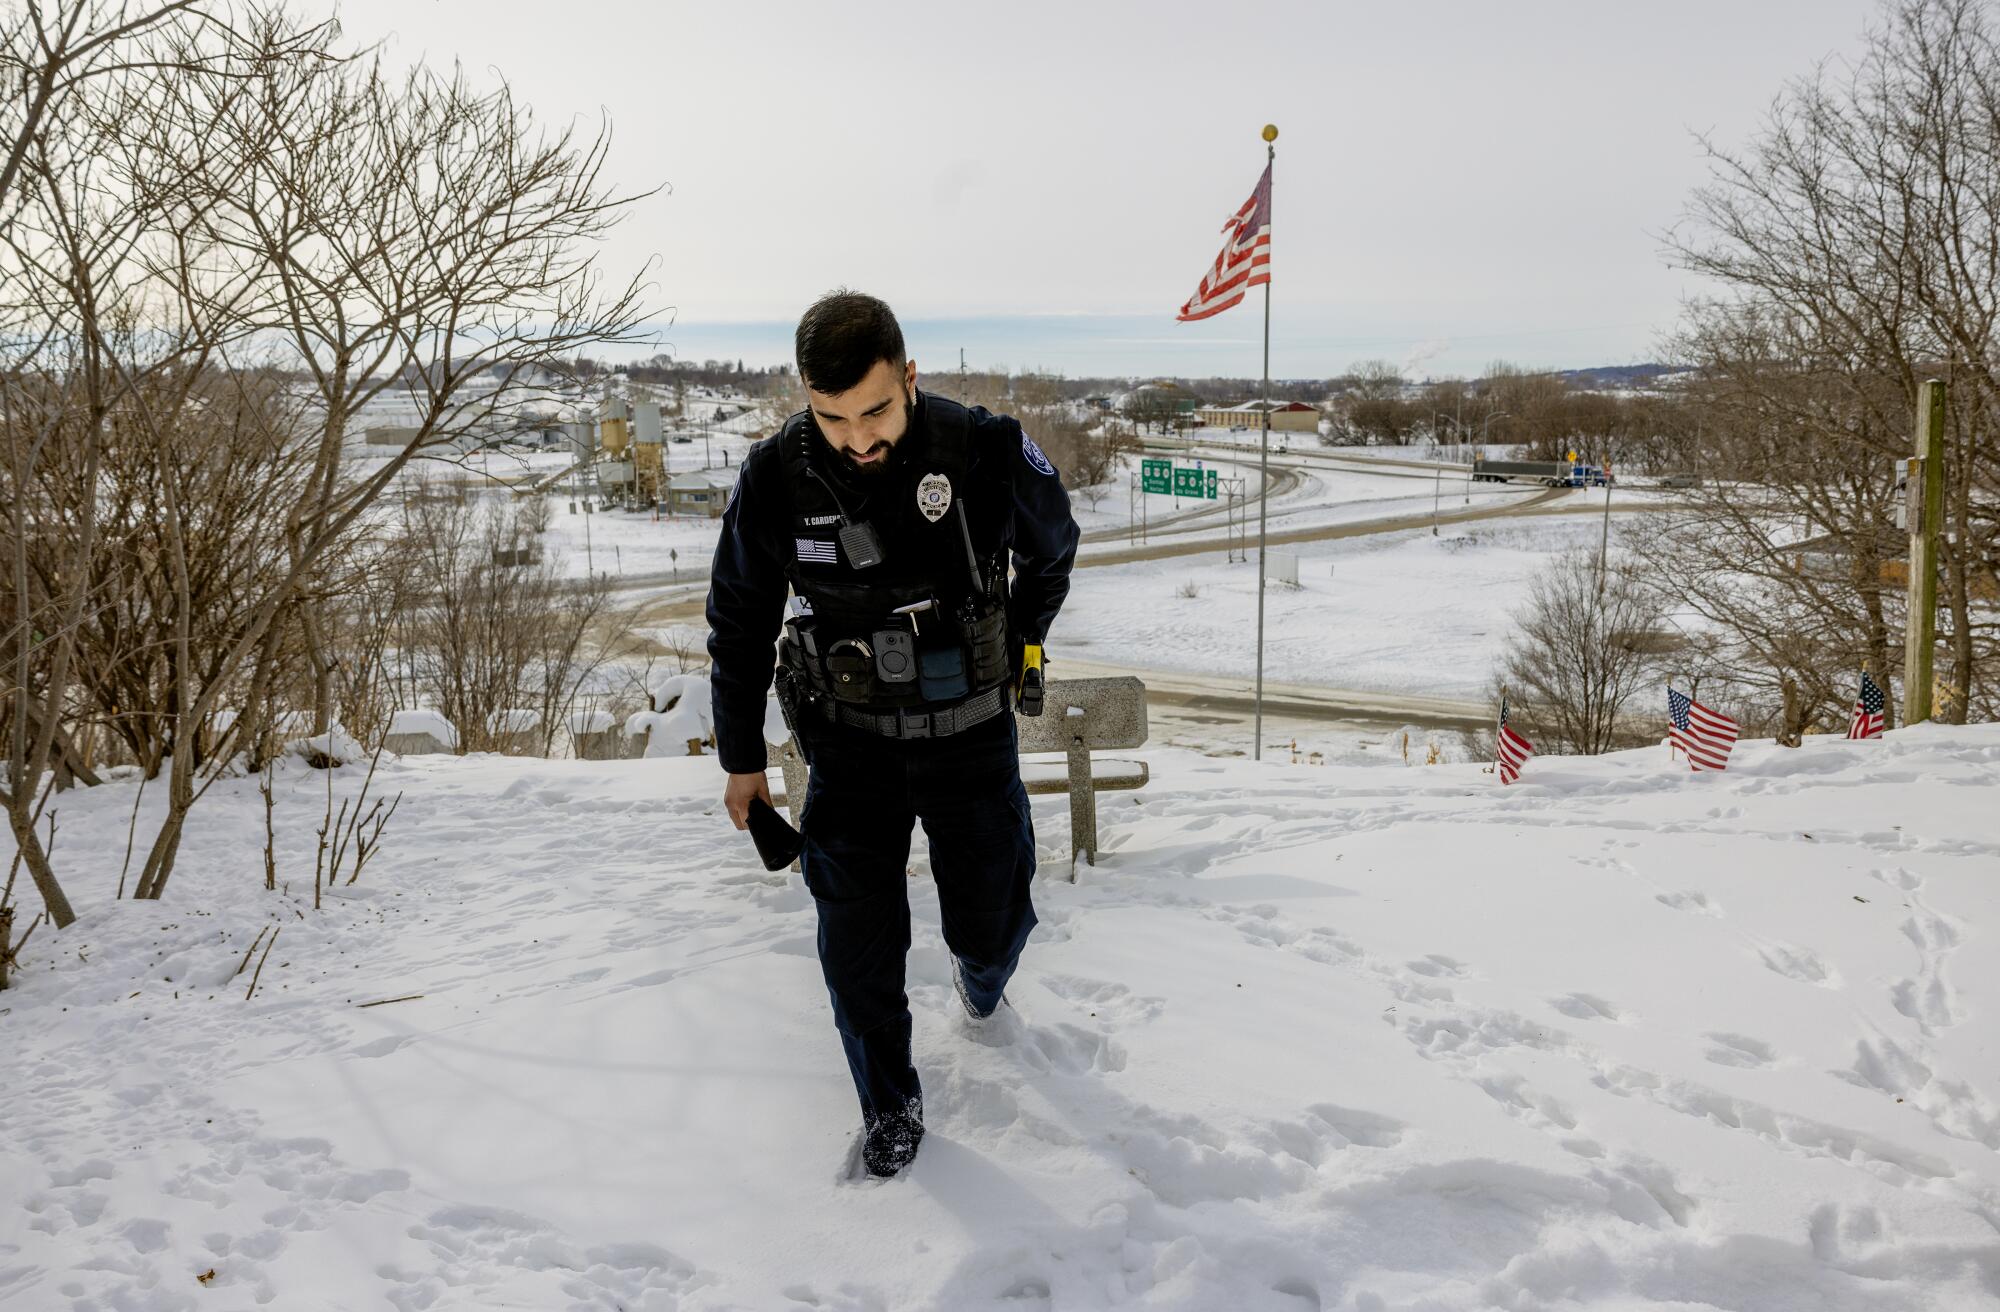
{"points": [[1245, 260], [1514, 750], [1706, 736], [1868, 710]]}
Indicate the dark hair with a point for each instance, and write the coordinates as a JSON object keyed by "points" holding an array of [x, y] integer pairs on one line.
{"points": [[841, 337]]}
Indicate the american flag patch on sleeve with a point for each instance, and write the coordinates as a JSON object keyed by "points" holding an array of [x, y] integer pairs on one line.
{"points": [[817, 551]]}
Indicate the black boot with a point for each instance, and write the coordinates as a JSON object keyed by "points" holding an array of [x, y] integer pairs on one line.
{"points": [[889, 1141]]}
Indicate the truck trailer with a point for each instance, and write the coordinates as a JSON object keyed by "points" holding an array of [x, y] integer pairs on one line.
{"points": [[1549, 473]]}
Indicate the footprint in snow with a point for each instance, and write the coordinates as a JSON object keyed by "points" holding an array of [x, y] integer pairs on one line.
{"points": [[382, 1047], [1071, 1050], [1799, 964], [1106, 1000], [1696, 903], [1740, 1050], [1587, 1006], [1361, 1129], [1907, 881]]}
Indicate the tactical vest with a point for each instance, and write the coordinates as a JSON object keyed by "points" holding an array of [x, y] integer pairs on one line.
{"points": [[905, 609]]}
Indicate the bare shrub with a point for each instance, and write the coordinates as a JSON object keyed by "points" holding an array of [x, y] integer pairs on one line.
{"points": [[1084, 451], [1578, 655], [484, 637]]}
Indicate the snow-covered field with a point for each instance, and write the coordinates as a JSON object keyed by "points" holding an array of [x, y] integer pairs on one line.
{"points": [[1363, 605], [1618, 1037], [618, 542]]}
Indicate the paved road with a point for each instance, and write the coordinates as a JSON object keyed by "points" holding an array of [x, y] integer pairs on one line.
{"points": [[1539, 502], [1215, 699]]}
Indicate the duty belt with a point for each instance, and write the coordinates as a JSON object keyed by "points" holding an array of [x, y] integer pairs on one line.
{"points": [[922, 724]]}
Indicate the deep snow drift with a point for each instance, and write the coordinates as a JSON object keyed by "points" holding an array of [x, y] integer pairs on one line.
{"points": [[1617, 1037]]}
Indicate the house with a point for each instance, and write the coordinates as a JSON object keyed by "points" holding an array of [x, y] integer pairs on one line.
{"points": [[700, 492], [1286, 416]]}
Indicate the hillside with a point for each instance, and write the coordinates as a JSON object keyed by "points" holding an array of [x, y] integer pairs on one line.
{"points": [[1357, 1038]]}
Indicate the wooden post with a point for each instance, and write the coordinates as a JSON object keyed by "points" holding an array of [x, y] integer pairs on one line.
{"points": [[1926, 516]]}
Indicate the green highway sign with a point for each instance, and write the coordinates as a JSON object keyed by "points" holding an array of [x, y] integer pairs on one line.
{"points": [[1168, 479], [1195, 483]]}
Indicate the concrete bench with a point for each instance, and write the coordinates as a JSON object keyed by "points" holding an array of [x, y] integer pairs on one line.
{"points": [[1079, 716]]}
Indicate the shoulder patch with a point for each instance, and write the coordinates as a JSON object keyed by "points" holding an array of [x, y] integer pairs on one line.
{"points": [[1035, 456]]}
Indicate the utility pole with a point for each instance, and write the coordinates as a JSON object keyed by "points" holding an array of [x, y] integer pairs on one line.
{"points": [[962, 387], [1604, 538], [1925, 473], [1485, 436]]}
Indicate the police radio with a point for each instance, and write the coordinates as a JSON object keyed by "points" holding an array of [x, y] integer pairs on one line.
{"points": [[861, 544]]}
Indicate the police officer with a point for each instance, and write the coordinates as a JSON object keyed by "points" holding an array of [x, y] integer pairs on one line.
{"points": [[893, 515]]}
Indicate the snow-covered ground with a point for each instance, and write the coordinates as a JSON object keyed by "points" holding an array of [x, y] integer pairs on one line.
{"points": [[1362, 606], [1619, 1037], [618, 542]]}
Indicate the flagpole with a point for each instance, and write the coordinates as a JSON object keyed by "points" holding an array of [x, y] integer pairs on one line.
{"points": [[1264, 469]]}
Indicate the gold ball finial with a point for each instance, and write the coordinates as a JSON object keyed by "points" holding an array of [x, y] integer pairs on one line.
{"points": [[1270, 132]]}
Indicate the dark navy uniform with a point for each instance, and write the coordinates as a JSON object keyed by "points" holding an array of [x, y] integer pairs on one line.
{"points": [[900, 673]]}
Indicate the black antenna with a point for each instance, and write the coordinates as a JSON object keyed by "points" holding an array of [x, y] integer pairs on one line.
{"points": [[971, 556]]}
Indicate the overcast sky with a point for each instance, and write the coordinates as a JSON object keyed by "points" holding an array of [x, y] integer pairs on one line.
{"points": [[1456, 183]]}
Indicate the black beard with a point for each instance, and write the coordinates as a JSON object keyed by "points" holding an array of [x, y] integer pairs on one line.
{"points": [[891, 458]]}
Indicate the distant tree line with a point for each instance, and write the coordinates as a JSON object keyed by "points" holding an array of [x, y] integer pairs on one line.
{"points": [[1544, 414]]}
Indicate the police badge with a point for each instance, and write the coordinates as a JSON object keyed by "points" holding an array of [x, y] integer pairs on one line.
{"points": [[934, 496]]}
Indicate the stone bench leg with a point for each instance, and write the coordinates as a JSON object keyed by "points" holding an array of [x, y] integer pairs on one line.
{"points": [[794, 767], [1082, 807]]}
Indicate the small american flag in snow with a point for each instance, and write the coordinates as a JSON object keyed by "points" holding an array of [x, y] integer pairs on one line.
{"points": [[1868, 710], [1706, 736], [1514, 750]]}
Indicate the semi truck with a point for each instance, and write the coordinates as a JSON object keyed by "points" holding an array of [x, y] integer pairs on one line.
{"points": [[1549, 473]]}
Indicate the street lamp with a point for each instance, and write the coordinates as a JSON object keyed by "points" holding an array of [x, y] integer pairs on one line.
{"points": [[1437, 425], [1485, 432]]}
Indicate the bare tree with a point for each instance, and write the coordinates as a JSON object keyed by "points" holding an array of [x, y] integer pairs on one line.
{"points": [[490, 633], [189, 234], [1579, 653], [1786, 553], [1084, 452], [75, 366], [1858, 237]]}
